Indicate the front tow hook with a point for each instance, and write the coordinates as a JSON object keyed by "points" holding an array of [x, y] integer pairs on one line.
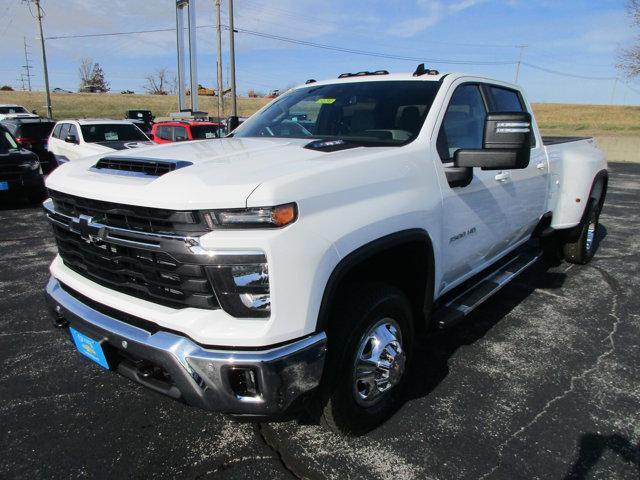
{"points": [[58, 320]]}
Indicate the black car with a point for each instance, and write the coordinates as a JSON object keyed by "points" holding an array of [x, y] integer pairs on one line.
{"points": [[20, 171], [143, 119], [33, 134]]}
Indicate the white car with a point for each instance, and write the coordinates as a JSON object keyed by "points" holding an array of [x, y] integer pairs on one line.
{"points": [[302, 255], [15, 111], [75, 139]]}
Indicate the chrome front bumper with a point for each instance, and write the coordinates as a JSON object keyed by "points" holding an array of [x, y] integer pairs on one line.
{"points": [[198, 376]]}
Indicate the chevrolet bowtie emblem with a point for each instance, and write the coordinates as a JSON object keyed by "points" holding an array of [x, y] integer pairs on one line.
{"points": [[90, 232]]}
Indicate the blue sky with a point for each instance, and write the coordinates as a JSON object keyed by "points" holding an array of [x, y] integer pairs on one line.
{"points": [[579, 37]]}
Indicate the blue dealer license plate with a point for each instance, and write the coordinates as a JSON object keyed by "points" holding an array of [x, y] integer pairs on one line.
{"points": [[89, 347], [4, 186]]}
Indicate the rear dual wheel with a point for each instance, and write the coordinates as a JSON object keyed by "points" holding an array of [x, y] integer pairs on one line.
{"points": [[581, 247]]}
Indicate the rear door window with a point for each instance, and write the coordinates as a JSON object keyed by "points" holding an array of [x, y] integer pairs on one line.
{"points": [[505, 100]]}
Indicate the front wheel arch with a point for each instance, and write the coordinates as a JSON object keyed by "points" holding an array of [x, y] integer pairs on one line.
{"points": [[362, 260]]}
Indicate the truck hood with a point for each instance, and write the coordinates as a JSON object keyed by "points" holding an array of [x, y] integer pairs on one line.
{"points": [[223, 172]]}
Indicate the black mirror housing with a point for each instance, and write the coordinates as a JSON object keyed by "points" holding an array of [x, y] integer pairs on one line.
{"points": [[71, 139], [506, 143]]}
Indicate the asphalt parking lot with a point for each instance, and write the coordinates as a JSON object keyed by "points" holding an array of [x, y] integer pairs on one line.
{"points": [[543, 381]]}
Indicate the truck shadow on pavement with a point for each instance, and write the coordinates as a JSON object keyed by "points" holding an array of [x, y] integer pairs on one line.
{"points": [[594, 445], [433, 350]]}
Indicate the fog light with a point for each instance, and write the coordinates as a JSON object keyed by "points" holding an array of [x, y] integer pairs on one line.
{"points": [[244, 382], [243, 288]]}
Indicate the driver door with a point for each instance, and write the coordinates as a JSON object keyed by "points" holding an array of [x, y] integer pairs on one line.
{"points": [[476, 218]]}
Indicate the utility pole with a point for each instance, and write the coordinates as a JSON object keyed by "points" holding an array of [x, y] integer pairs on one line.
{"points": [[613, 92], [219, 44], [27, 65], [521, 47], [44, 59], [232, 61]]}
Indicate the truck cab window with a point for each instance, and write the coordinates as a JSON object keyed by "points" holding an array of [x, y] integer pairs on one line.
{"points": [[505, 100], [463, 124]]}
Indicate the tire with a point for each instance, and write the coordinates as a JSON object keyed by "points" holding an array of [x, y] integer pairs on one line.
{"points": [[581, 246], [353, 403]]}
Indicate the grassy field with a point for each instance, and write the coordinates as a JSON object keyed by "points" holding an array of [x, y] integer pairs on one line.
{"points": [[616, 128], [85, 105]]}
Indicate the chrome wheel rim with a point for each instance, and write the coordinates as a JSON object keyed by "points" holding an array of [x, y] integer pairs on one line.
{"points": [[379, 363], [591, 234]]}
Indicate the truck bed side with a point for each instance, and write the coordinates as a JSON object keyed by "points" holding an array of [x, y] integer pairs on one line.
{"points": [[574, 163]]}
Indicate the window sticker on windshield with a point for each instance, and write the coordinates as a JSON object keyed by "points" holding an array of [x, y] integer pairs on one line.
{"points": [[209, 135], [326, 101], [110, 136]]}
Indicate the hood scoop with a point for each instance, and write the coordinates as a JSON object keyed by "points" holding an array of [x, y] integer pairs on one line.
{"points": [[138, 167]]}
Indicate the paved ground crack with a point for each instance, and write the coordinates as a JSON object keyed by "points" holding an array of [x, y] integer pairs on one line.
{"points": [[613, 284], [273, 447]]}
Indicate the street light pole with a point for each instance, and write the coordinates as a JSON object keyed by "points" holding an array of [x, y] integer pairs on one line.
{"points": [[44, 59], [232, 61], [219, 44]]}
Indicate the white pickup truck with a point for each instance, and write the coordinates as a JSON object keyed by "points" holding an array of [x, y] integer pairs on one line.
{"points": [[299, 257]]}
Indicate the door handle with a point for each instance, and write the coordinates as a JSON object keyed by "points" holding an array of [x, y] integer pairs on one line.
{"points": [[503, 176], [541, 166]]}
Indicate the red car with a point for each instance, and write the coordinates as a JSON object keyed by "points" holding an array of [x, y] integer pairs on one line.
{"points": [[181, 130]]}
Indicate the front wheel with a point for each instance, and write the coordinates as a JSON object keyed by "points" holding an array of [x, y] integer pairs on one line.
{"points": [[369, 346]]}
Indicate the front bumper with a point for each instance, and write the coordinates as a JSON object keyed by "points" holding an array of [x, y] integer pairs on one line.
{"points": [[178, 367]]}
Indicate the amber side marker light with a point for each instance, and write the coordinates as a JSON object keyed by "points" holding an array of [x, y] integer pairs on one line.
{"points": [[284, 214]]}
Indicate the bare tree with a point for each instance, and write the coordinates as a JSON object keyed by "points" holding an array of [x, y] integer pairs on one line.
{"points": [[84, 70], [158, 82], [629, 59]]}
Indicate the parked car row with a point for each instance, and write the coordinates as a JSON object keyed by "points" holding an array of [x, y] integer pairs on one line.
{"points": [[33, 146]]}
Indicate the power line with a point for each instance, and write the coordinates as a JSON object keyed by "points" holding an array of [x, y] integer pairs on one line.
{"points": [[298, 42], [565, 74]]}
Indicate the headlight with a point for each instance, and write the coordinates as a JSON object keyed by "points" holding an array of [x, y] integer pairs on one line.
{"points": [[260, 217], [241, 283]]}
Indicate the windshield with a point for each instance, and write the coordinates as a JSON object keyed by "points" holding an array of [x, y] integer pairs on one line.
{"points": [[368, 113], [201, 132], [115, 132], [10, 110], [6, 141]]}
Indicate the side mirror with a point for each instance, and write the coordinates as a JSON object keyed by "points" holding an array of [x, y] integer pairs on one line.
{"points": [[34, 112], [71, 139], [506, 144], [150, 135], [180, 139]]}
